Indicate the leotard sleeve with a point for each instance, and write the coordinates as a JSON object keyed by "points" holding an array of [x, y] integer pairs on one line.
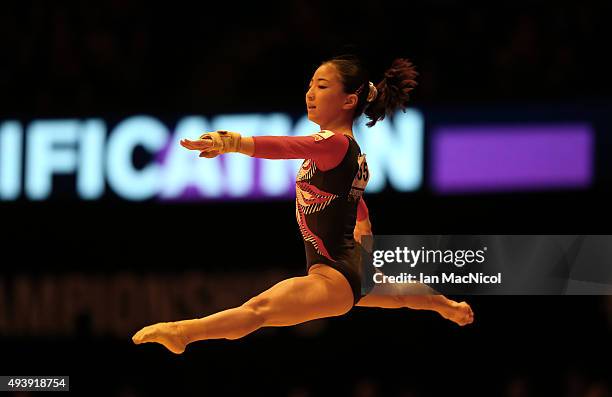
{"points": [[325, 148]]}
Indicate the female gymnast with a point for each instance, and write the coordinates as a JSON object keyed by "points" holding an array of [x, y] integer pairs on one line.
{"points": [[331, 213]]}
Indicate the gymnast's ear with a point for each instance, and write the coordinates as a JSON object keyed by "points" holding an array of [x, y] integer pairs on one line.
{"points": [[350, 102]]}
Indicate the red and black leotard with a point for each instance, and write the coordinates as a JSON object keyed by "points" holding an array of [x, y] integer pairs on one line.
{"points": [[329, 188]]}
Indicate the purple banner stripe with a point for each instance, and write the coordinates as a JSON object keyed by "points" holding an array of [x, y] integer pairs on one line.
{"points": [[506, 158]]}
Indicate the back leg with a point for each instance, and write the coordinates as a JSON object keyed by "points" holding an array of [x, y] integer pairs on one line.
{"points": [[420, 297]]}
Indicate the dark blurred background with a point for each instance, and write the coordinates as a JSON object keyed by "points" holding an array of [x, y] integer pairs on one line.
{"points": [[80, 277]]}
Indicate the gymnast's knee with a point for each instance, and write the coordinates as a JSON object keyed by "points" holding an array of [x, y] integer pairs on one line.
{"points": [[259, 308]]}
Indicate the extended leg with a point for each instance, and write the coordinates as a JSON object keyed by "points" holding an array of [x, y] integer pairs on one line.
{"points": [[324, 293]]}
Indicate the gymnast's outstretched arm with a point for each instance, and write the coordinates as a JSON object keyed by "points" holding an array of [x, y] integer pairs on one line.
{"points": [[325, 148]]}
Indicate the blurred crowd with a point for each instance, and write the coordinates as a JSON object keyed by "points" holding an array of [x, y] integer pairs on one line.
{"points": [[125, 56]]}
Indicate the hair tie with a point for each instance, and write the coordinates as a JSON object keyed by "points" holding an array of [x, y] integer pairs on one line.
{"points": [[373, 93]]}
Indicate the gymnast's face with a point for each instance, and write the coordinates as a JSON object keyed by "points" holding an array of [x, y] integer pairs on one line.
{"points": [[326, 100]]}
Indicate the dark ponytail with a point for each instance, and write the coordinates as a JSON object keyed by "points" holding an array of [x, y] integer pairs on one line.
{"points": [[393, 90]]}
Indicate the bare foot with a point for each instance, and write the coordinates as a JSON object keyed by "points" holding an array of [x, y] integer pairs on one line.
{"points": [[460, 313], [167, 334]]}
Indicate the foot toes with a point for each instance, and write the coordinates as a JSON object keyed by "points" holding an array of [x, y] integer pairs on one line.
{"points": [[162, 334], [142, 336], [137, 338]]}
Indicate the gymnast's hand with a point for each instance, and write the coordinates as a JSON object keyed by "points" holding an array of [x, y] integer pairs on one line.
{"points": [[205, 146], [212, 144]]}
